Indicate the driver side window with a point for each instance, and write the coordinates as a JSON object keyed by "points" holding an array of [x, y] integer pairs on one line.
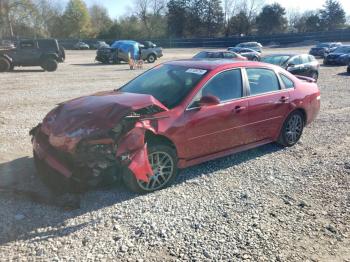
{"points": [[226, 86]]}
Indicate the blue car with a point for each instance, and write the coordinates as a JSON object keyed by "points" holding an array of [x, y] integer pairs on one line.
{"points": [[340, 56], [322, 49]]}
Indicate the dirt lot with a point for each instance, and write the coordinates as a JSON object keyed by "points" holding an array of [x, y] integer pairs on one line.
{"points": [[267, 204]]}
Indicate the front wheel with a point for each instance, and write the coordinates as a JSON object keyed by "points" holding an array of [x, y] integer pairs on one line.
{"points": [[163, 160], [292, 129], [4, 65]]}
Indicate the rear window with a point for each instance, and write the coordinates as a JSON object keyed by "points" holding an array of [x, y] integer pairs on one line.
{"points": [[276, 60], [286, 81], [262, 81], [46, 44]]}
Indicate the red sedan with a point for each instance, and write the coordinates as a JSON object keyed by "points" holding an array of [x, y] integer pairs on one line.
{"points": [[176, 115]]}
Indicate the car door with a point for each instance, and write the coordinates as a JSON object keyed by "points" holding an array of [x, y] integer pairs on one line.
{"points": [[219, 127], [28, 54], [268, 104]]}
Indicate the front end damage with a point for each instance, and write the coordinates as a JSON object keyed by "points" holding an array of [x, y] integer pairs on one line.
{"points": [[94, 144]]}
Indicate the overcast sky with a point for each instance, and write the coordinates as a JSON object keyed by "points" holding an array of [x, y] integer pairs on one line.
{"points": [[117, 8]]}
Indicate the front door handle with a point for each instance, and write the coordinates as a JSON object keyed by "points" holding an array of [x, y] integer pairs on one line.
{"points": [[284, 99], [238, 109]]}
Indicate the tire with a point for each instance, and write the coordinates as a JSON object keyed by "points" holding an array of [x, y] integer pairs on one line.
{"points": [[255, 58], [56, 182], [4, 65], [164, 179], [151, 58], [315, 76], [62, 52], [12, 68], [292, 129], [49, 65], [348, 69]]}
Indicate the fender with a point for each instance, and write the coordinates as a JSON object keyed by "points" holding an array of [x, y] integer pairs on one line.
{"points": [[6, 57], [132, 151]]}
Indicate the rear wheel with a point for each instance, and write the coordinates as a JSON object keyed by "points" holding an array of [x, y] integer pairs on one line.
{"points": [[163, 160], [151, 58], [314, 75], [4, 65], [292, 129], [348, 69], [49, 65], [255, 58]]}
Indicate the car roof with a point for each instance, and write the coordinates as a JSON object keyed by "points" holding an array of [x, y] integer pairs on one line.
{"points": [[284, 54], [211, 64]]}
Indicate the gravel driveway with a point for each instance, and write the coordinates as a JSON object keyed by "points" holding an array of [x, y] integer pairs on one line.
{"points": [[266, 204]]}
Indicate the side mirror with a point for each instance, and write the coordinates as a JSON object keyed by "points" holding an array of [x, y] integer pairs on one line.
{"points": [[208, 101]]}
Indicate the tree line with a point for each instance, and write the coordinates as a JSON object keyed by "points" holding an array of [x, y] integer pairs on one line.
{"points": [[149, 19]]}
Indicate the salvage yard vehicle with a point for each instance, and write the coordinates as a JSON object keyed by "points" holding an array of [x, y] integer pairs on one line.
{"points": [[297, 64], [81, 46], [252, 45], [340, 56], [41, 52], [322, 49], [219, 55], [118, 52], [250, 54], [143, 135]]}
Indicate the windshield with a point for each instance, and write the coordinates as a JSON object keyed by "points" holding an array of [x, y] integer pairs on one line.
{"points": [[342, 49], [276, 60], [169, 84], [323, 45]]}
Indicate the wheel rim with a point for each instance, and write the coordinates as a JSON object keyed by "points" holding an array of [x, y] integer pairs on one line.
{"points": [[294, 128], [151, 59], [163, 166]]}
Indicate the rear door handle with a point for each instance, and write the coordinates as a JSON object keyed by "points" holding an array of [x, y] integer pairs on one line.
{"points": [[282, 100], [238, 109]]}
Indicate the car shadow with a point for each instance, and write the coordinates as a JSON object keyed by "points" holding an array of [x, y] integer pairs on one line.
{"points": [[30, 206], [343, 74], [27, 71]]}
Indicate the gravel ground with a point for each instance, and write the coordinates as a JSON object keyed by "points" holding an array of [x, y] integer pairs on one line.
{"points": [[266, 204]]}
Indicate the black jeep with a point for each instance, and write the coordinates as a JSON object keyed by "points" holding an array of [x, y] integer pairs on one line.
{"points": [[42, 52]]}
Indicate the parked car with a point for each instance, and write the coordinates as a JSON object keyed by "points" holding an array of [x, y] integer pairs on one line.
{"points": [[144, 135], [100, 44], [81, 46], [118, 52], [252, 45], [323, 49], [219, 55], [304, 65], [250, 54], [340, 56], [39, 52]]}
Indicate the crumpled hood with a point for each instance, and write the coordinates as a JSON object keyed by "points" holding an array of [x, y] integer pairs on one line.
{"points": [[82, 117]]}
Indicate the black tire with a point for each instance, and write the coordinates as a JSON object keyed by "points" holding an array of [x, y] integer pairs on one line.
{"points": [[141, 187], [56, 182], [255, 58], [315, 76], [62, 52], [151, 58], [12, 68], [348, 69], [4, 65], [49, 65], [292, 129]]}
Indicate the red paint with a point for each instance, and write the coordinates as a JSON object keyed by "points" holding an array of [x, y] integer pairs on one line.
{"points": [[198, 134]]}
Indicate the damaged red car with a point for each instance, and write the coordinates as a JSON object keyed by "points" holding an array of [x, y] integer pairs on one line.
{"points": [[176, 115]]}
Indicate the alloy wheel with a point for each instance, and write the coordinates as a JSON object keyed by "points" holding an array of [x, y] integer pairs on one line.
{"points": [[163, 167], [294, 129]]}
